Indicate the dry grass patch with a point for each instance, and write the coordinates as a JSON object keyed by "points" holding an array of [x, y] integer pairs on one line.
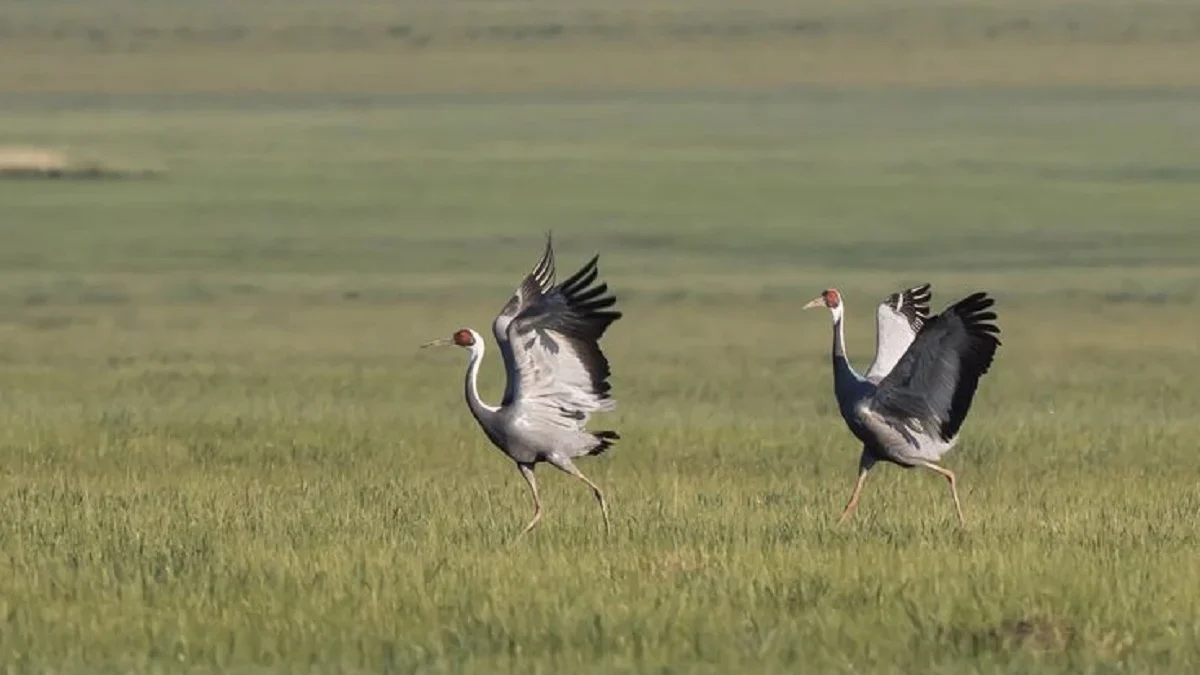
{"points": [[1035, 633], [1050, 635], [29, 162]]}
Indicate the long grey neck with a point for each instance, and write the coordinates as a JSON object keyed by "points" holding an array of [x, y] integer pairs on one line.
{"points": [[839, 338], [844, 377], [482, 411]]}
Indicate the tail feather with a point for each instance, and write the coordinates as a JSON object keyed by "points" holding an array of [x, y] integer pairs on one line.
{"points": [[604, 439]]}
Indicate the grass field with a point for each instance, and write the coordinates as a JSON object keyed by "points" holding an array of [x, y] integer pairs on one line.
{"points": [[507, 46], [221, 451]]}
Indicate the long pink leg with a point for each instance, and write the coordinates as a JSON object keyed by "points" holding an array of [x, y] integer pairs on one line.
{"points": [[853, 503], [527, 474], [949, 475], [567, 466]]}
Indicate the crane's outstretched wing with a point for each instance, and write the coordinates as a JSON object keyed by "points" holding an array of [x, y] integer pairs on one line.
{"points": [[536, 283], [561, 376], [932, 385], [897, 322]]}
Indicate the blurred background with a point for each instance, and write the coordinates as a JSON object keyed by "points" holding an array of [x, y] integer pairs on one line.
{"points": [[226, 225]]}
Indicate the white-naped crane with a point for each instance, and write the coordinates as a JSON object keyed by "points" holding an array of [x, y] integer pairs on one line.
{"points": [[548, 335], [911, 404]]}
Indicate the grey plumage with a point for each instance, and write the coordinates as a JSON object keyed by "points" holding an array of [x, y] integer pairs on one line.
{"points": [[557, 376], [909, 409], [536, 282]]}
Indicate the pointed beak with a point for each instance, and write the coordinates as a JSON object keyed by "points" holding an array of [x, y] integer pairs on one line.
{"points": [[818, 301], [443, 342]]}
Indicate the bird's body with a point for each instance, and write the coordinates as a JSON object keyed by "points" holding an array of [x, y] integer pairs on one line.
{"points": [[909, 407], [518, 431], [548, 336]]}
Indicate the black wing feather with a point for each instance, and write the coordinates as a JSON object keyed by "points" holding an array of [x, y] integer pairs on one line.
{"points": [[579, 314], [935, 381], [584, 315], [912, 304]]}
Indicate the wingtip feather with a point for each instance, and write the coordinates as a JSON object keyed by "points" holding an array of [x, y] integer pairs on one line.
{"points": [[605, 440], [543, 271]]}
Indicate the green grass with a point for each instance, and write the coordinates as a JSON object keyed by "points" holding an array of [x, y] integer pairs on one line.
{"points": [[221, 451]]}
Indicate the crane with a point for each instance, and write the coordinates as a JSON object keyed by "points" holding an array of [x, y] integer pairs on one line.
{"points": [[909, 407], [548, 336]]}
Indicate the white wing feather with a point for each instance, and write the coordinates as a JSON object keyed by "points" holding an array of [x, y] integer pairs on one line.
{"points": [[539, 281], [554, 383], [897, 320]]}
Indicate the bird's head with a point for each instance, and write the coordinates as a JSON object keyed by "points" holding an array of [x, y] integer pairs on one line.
{"points": [[463, 337], [831, 298]]}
